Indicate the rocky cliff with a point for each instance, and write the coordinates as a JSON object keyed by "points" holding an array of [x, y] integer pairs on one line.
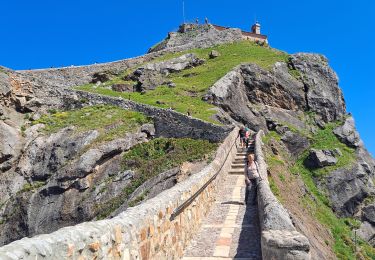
{"points": [[49, 180]]}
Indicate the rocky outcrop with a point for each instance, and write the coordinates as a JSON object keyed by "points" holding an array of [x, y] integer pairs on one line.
{"points": [[323, 94], [248, 89], [10, 139], [295, 143], [347, 189], [348, 134], [200, 36], [153, 75], [62, 172], [321, 158]]}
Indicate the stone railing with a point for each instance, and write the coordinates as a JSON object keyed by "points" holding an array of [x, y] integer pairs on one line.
{"points": [[147, 231], [280, 239]]}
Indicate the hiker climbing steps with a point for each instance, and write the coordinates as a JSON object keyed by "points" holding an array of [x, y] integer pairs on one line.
{"points": [[231, 229]]}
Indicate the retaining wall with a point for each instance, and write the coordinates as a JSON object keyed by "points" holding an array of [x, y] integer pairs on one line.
{"points": [[168, 123], [279, 239], [142, 232]]}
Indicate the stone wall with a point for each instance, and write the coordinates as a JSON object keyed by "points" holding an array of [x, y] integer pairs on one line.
{"points": [[168, 123], [280, 239], [142, 232]]}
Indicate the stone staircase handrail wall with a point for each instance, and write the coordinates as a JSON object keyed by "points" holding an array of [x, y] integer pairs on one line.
{"points": [[279, 238], [141, 232]]}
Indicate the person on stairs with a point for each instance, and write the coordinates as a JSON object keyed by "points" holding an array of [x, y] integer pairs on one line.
{"points": [[252, 180], [242, 136]]}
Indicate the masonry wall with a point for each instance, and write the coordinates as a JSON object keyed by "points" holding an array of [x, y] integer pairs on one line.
{"points": [[142, 232], [168, 123], [279, 238]]}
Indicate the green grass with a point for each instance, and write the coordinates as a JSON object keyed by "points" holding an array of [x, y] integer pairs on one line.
{"points": [[320, 205], [154, 157], [326, 139], [111, 122], [32, 186], [189, 90], [271, 135]]}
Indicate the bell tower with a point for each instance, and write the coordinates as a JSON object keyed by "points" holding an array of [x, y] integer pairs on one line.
{"points": [[255, 28]]}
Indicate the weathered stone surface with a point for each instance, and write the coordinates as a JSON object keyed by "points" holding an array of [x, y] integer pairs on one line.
{"points": [[123, 234], [153, 75], [9, 138], [122, 87], [5, 87], [214, 54], [323, 94], [148, 129], [202, 36], [280, 240], [295, 143], [368, 213], [347, 188], [45, 155], [321, 158], [367, 232], [100, 77], [348, 134]]}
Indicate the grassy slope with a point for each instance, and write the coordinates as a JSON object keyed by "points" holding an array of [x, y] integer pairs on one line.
{"points": [[150, 159], [319, 205], [187, 95], [111, 122]]}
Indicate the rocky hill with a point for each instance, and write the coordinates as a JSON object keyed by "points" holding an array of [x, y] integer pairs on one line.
{"points": [[71, 153]]}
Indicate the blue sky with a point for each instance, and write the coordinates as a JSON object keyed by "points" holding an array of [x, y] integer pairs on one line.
{"points": [[44, 33]]}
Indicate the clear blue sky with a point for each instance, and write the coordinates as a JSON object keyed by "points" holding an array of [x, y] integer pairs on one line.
{"points": [[45, 33]]}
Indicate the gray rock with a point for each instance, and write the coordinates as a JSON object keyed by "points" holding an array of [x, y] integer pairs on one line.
{"points": [[323, 94], [202, 36], [45, 155], [5, 87], [321, 158], [122, 87], [100, 77], [367, 232], [148, 129], [214, 54], [348, 134], [295, 143], [347, 189], [368, 213], [9, 139]]}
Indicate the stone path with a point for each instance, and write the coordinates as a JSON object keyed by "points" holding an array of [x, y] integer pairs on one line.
{"points": [[231, 229]]}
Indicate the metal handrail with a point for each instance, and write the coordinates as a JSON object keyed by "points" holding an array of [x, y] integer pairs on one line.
{"points": [[186, 203]]}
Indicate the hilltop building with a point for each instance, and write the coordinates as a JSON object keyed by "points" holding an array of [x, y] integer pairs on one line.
{"points": [[253, 35]]}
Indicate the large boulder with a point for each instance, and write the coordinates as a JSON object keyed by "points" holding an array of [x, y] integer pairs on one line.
{"points": [[295, 143], [348, 134], [367, 232], [347, 189], [368, 213], [321, 158]]}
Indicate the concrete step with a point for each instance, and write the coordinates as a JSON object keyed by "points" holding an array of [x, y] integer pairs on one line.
{"points": [[236, 172]]}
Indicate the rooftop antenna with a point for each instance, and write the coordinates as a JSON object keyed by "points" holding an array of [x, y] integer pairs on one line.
{"points": [[183, 10]]}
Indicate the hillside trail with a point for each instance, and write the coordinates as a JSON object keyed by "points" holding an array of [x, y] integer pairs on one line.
{"points": [[231, 228]]}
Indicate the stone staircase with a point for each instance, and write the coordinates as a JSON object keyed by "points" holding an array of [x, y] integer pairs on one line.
{"points": [[231, 229]]}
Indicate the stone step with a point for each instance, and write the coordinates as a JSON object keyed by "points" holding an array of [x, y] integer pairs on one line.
{"points": [[238, 165], [236, 172]]}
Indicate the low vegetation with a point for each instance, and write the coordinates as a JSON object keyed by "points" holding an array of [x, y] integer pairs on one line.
{"points": [[315, 201], [192, 84], [111, 122], [152, 158]]}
